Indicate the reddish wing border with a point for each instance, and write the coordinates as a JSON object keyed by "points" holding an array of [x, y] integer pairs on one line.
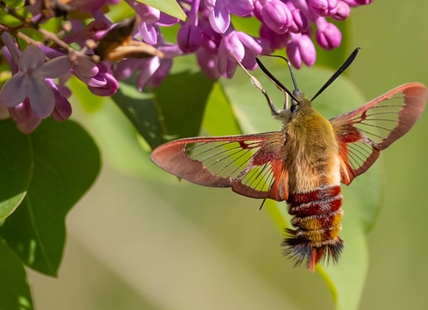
{"points": [[266, 147], [414, 96]]}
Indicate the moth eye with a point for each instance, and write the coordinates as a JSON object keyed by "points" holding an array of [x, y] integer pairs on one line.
{"points": [[294, 108]]}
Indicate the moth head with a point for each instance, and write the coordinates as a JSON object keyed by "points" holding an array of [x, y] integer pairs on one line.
{"points": [[299, 104]]}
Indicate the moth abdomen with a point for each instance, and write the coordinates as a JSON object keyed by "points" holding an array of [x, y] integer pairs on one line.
{"points": [[317, 216]]}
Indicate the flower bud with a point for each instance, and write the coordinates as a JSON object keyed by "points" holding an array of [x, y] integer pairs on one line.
{"points": [[244, 47], [343, 11], [323, 7], [301, 49], [355, 3], [299, 22], [328, 35], [277, 16], [189, 38], [276, 41], [108, 85]]}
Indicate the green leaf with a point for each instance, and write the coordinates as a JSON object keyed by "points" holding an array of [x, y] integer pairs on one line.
{"points": [[65, 164], [173, 110], [361, 199], [122, 147], [14, 290], [14, 3], [16, 159], [9, 20], [170, 7], [219, 111], [250, 26]]}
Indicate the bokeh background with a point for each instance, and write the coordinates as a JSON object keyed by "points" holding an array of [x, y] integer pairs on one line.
{"points": [[141, 240]]}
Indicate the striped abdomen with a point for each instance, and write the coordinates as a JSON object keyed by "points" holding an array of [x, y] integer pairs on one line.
{"points": [[317, 216]]}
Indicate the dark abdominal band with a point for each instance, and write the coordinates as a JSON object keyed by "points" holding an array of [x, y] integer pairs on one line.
{"points": [[317, 216]]}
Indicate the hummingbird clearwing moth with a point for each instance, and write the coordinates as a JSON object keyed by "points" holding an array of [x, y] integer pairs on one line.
{"points": [[303, 163]]}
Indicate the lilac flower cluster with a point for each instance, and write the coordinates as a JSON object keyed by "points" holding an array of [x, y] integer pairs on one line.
{"points": [[37, 88]]}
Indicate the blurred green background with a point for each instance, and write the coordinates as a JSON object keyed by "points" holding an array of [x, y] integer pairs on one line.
{"points": [[142, 240]]}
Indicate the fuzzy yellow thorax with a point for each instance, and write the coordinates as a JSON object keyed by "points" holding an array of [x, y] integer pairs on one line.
{"points": [[312, 150]]}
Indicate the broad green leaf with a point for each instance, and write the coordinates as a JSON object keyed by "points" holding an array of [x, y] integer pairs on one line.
{"points": [[88, 101], [14, 290], [65, 164], [173, 110], [120, 11], [250, 26], [170, 7], [219, 111], [9, 20], [14, 3], [16, 160], [117, 138], [361, 199]]}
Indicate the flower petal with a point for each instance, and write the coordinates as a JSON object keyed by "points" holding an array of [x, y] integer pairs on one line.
{"points": [[89, 6], [32, 57], [62, 110], [84, 68], [189, 38], [207, 62], [166, 20], [161, 73], [54, 68], [24, 117], [147, 13], [9, 59], [41, 96], [22, 112], [249, 61], [220, 17], [126, 68], [30, 125], [231, 69], [250, 43], [240, 7], [110, 87], [307, 50], [14, 90], [210, 4], [97, 81], [225, 65], [148, 33], [147, 71]]}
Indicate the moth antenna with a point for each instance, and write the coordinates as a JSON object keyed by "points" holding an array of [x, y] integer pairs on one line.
{"points": [[263, 202], [259, 86], [275, 80], [342, 68], [290, 68]]}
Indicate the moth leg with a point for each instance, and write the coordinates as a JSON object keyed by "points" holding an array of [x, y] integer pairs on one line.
{"points": [[259, 86]]}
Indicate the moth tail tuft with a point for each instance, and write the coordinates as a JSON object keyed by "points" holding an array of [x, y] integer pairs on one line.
{"points": [[311, 253]]}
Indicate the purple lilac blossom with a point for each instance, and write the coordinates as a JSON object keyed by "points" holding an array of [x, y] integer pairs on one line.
{"points": [[40, 71], [30, 81]]}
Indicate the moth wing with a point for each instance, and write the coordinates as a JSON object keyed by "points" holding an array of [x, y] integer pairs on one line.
{"points": [[252, 165], [365, 131]]}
